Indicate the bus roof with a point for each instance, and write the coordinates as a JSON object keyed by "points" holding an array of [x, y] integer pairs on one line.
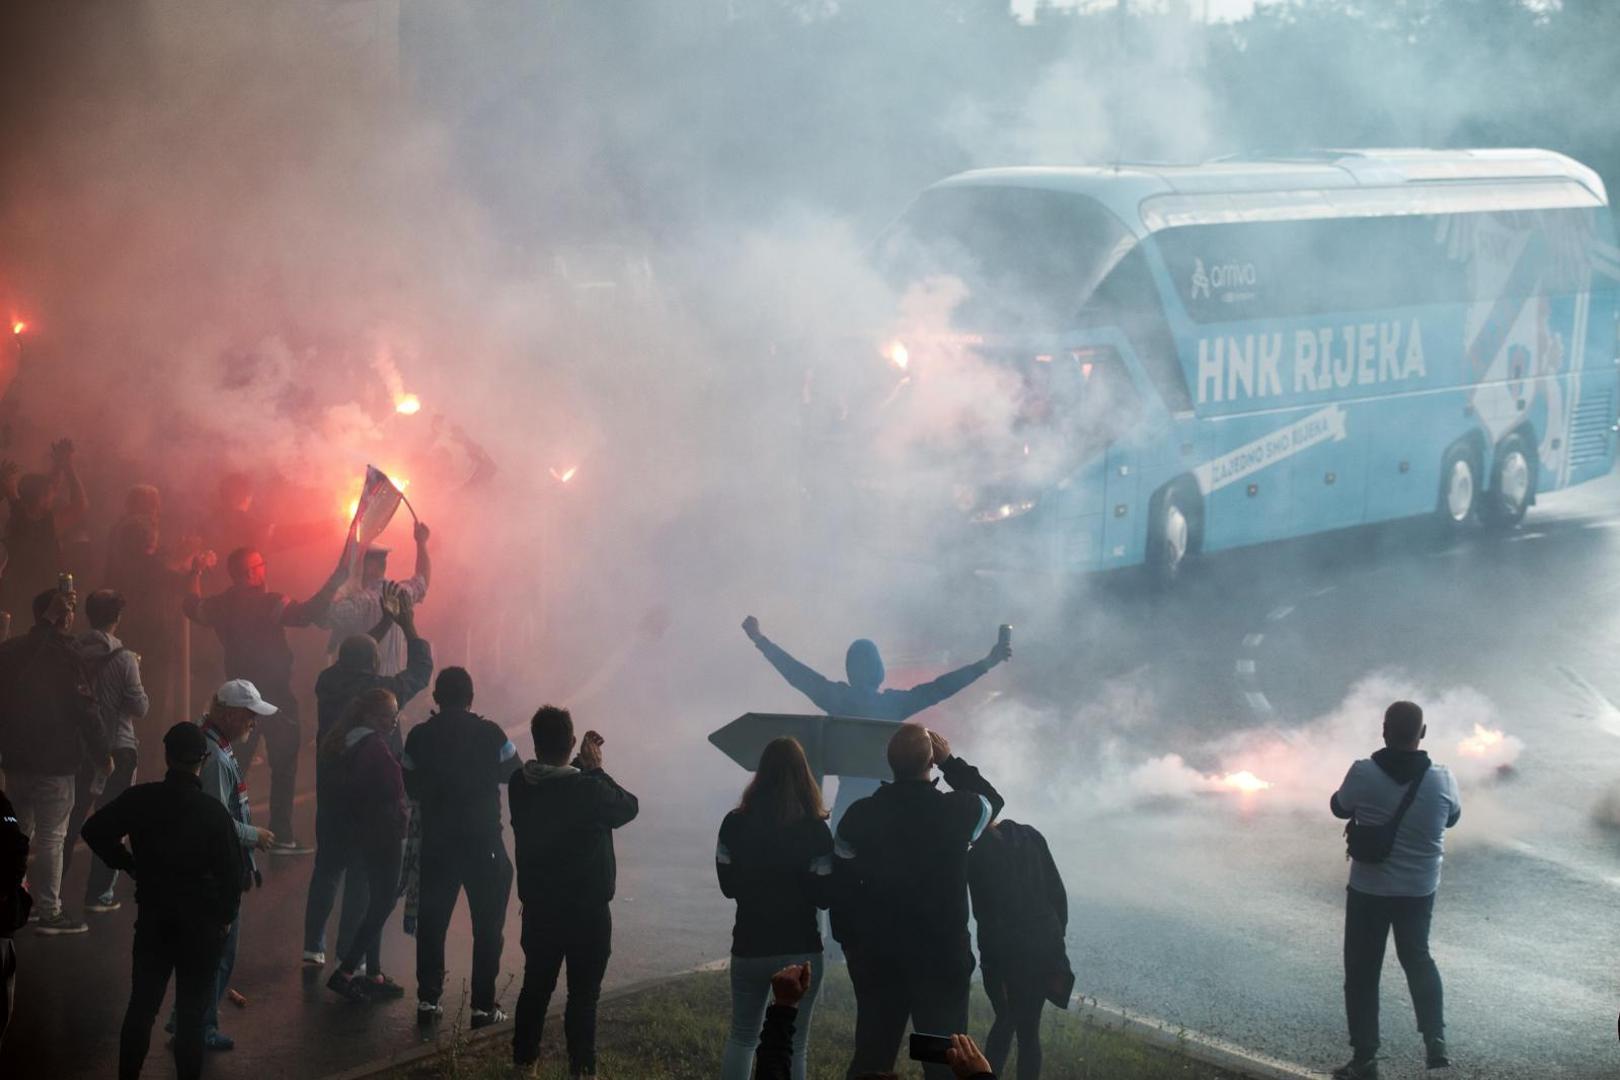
{"points": [[1314, 184]]}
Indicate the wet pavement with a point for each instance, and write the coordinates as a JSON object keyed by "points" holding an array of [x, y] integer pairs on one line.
{"points": [[1202, 907]]}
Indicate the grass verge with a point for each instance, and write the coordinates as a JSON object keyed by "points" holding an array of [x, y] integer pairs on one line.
{"points": [[675, 1031]]}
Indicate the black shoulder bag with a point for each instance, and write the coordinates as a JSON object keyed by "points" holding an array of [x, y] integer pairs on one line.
{"points": [[1373, 843]]}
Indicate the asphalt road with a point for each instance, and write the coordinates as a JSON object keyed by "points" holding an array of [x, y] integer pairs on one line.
{"points": [[1191, 902]]}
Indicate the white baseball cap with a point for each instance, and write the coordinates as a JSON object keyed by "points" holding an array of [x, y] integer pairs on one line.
{"points": [[241, 694]]}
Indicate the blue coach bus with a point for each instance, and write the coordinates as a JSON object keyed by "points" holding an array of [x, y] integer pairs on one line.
{"points": [[1218, 355]]}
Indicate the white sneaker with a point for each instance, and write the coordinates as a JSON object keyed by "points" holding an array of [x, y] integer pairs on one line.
{"points": [[315, 956], [485, 1017], [425, 1009], [60, 923]]}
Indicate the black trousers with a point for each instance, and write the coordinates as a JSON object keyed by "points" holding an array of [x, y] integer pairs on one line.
{"points": [[1368, 920], [378, 859], [102, 876], [583, 940], [281, 734], [483, 869], [8, 982], [170, 942], [1018, 998], [888, 992]]}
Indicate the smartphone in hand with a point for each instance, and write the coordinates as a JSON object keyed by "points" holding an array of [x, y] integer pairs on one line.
{"points": [[929, 1048]]}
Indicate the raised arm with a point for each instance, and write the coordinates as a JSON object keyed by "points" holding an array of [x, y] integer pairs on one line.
{"points": [[929, 694], [806, 680], [418, 654], [424, 564], [964, 777], [315, 608], [192, 603]]}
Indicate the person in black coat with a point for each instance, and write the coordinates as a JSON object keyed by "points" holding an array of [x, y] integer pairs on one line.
{"points": [[186, 859], [774, 858], [900, 905], [1023, 912], [14, 903], [563, 817]]}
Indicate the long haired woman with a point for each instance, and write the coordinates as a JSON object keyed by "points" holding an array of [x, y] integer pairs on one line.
{"points": [[774, 858]]}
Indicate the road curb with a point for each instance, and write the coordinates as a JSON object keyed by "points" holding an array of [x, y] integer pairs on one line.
{"points": [[1202, 1048], [1206, 1049]]}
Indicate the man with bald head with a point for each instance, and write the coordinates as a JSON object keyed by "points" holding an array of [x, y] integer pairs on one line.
{"points": [[1413, 801], [354, 672], [901, 907]]}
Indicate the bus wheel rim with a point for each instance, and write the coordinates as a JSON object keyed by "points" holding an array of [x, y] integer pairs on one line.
{"points": [[1460, 491], [1515, 480], [1175, 535]]}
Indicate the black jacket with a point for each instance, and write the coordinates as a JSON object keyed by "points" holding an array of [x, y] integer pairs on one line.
{"points": [[1021, 906], [562, 835], [49, 723], [779, 875], [183, 850], [15, 902], [900, 870], [455, 763], [337, 686]]}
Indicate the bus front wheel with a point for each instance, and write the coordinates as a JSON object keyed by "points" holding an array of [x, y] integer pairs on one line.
{"points": [[1459, 486], [1513, 482], [1173, 533]]}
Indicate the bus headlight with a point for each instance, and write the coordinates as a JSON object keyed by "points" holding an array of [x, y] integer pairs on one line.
{"points": [[1003, 511]]}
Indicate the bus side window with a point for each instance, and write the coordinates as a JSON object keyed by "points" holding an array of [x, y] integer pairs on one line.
{"points": [[1129, 299]]}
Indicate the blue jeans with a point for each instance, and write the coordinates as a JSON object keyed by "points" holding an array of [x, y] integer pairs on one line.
{"points": [[227, 964], [750, 993]]}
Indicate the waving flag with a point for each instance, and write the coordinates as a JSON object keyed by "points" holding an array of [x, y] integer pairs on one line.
{"points": [[379, 501]]}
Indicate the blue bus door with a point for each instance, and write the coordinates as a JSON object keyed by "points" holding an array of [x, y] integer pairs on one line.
{"points": [[1121, 507]]}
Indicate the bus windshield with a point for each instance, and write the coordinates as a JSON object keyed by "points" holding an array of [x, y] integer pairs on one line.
{"points": [[1030, 258]]}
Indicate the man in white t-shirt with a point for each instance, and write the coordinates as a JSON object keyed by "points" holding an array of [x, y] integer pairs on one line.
{"points": [[1397, 893], [358, 606]]}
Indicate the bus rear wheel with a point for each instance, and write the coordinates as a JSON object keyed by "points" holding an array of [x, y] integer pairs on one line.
{"points": [[1459, 487], [1513, 482]]}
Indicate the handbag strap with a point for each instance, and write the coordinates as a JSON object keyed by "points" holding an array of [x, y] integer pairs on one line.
{"points": [[1406, 800]]}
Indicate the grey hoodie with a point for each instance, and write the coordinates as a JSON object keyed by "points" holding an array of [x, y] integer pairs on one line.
{"points": [[114, 674]]}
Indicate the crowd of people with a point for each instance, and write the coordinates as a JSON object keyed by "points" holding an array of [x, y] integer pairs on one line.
{"points": [[902, 869]]}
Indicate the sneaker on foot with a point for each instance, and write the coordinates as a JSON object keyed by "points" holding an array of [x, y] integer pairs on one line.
{"points": [[381, 986], [486, 1017], [315, 957], [425, 1009], [60, 923], [1357, 1069], [290, 846], [1437, 1058], [218, 1040], [102, 905], [346, 985]]}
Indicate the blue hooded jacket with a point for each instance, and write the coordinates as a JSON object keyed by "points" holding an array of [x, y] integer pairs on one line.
{"points": [[863, 695]]}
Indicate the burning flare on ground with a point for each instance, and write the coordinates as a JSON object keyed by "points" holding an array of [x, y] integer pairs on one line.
{"points": [[18, 326], [407, 404], [565, 475], [1484, 742], [897, 354], [1245, 782]]}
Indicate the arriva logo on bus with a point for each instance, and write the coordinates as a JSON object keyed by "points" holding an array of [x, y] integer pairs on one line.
{"points": [[1250, 366]]}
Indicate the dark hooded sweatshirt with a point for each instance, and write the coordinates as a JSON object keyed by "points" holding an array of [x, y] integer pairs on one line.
{"points": [[862, 696], [455, 762], [1019, 903], [562, 834]]}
